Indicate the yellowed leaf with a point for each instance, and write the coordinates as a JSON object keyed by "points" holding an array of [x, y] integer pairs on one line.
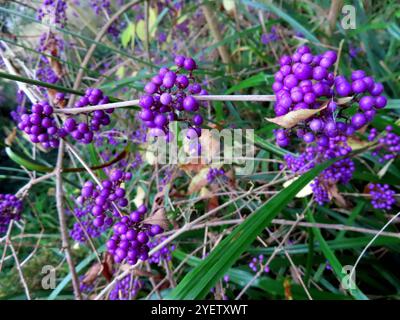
{"points": [[141, 30], [140, 196], [229, 5], [306, 191], [356, 143], [292, 118]]}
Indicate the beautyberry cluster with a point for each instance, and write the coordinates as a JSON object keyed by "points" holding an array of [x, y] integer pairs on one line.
{"points": [[41, 126], [214, 173], [105, 199], [389, 144], [56, 10], [257, 262], [125, 289], [366, 93], [52, 45], [84, 131], [130, 238], [382, 197], [85, 227], [10, 209], [169, 98], [164, 254], [305, 81], [302, 79]]}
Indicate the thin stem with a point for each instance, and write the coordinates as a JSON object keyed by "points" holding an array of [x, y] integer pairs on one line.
{"points": [[214, 28], [106, 106], [132, 103], [63, 223]]}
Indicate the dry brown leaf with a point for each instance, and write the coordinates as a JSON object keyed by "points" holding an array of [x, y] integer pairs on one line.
{"points": [[107, 266], [198, 181], [292, 118], [356, 143], [334, 193], [159, 218], [11, 137], [92, 274], [192, 168]]}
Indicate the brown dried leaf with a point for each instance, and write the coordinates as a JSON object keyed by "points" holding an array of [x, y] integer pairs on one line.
{"points": [[198, 181], [159, 218], [292, 118], [107, 266], [57, 67], [92, 274], [11, 137], [192, 168], [334, 193], [356, 143]]}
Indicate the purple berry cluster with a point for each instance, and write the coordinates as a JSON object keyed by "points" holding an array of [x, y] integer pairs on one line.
{"points": [[305, 81], [85, 288], [10, 209], [366, 92], [107, 198], [272, 36], [257, 262], [164, 254], [169, 95], [126, 289], [389, 144], [41, 126], [130, 238], [85, 227], [53, 45], [213, 173], [382, 197], [99, 5], [340, 172], [56, 10], [84, 131], [302, 79]]}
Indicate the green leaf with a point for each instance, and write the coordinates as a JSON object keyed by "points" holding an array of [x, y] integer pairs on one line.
{"points": [[26, 162], [128, 35], [197, 283], [274, 288]]}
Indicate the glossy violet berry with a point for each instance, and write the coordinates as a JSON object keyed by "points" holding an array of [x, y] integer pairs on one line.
{"points": [[190, 104], [146, 101], [189, 64], [358, 120], [380, 102], [179, 61], [367, 103]]}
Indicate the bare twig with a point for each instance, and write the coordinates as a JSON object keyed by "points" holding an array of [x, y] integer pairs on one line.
{"points": [[213, 25], [63, 224]]}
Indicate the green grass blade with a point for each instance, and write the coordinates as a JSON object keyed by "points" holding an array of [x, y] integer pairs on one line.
{"points": [[197, 283], [333, 260]]}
